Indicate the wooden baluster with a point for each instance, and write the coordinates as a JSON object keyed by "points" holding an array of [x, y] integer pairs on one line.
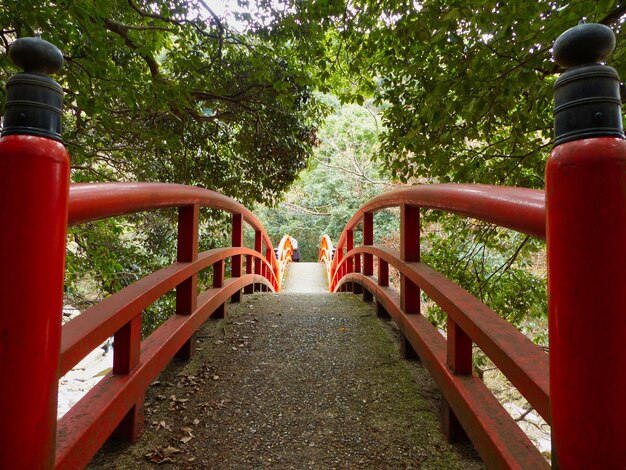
{"points": [[187, 291], [409, 252], [460, 363], [339, 257], [237, 241], [368, 258], [268, 272], [350, 261], [258, 246], [218, 282], [126, 351], [249, 289], [357, 269], [383, 281]]}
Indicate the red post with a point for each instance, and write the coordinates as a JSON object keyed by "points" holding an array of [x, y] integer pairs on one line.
{"points": [[268, 256], [368, 259], [338, 257], [249, 261], [34, 190], [357, 289], [126, 355], [237, 240], [350, 261], [409, 252], [586, 243], [459, 357], [187, 291], [218, 281], [383, 280], [258, 246]]}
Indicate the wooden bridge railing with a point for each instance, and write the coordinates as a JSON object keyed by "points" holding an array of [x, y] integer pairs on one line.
{"points": [[582, 216], [284, 252], [114, 405], [471, 407]]}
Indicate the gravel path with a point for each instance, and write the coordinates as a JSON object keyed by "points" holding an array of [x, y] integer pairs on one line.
{"points": [[293, 381]]}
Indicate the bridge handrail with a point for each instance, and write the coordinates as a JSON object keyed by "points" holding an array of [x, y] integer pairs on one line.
{"points": [[326, 255], [284, 255], [95, 201], [95, 325], [112, 405], [493, 432], [520, 209]]}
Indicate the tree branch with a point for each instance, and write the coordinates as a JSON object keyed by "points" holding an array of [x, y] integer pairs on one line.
{"points": [[304, 210], [122, 31]]}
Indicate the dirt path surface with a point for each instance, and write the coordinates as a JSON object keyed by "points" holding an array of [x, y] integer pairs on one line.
{"points": [[292, 381]]}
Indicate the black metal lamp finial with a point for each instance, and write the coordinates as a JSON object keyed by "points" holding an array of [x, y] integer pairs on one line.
{"points": [[34, 103], [587, 100]]}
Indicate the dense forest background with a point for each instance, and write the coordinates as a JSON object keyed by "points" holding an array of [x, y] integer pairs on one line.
{"points": [[305, 110]]}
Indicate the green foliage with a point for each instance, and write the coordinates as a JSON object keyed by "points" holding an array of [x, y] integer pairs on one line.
{"points": [[466, 86], [500, 267], [340, 178], [156, 92], [105, 256]]}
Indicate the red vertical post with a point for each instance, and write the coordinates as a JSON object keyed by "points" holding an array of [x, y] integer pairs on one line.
{"points": [[126, 355], [258, 246], [268, 257], [350, 261], [218, 282], [368, 258], [459, 358], [237, 241], [383, 281], [586, 246], [249, 289], [338, 257], [187, 291], [357, 289], [409, 252], [34, 189]]}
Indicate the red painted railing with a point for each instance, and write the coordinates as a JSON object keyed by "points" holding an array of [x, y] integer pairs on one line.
{"points": [[326, 254], [284, 252], [586, 232], [115, 404], [499, 440]]}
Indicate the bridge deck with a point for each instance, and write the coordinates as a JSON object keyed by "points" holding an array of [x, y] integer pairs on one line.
{"points": [[294, 380]]}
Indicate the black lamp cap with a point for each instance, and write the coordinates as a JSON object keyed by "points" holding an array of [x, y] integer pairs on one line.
{"points": [[587, 43], [34, 104], [587, 100]]}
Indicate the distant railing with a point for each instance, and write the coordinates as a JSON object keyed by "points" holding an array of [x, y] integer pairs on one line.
{"points": [[115, 404], [471, 407], [284, 252], [327, 252]]}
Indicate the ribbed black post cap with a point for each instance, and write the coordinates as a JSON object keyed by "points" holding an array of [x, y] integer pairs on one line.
{"points": [[34, 103], [587, 99]]}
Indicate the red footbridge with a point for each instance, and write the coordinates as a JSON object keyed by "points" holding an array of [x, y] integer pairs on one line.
{"points": [[579, 388]]}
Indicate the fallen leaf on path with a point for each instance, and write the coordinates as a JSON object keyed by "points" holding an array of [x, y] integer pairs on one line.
{"points": [[161, 455]]}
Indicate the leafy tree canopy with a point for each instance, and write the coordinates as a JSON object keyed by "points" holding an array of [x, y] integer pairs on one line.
{"points": [[339, 179], [166, 91], [467, 85]]}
